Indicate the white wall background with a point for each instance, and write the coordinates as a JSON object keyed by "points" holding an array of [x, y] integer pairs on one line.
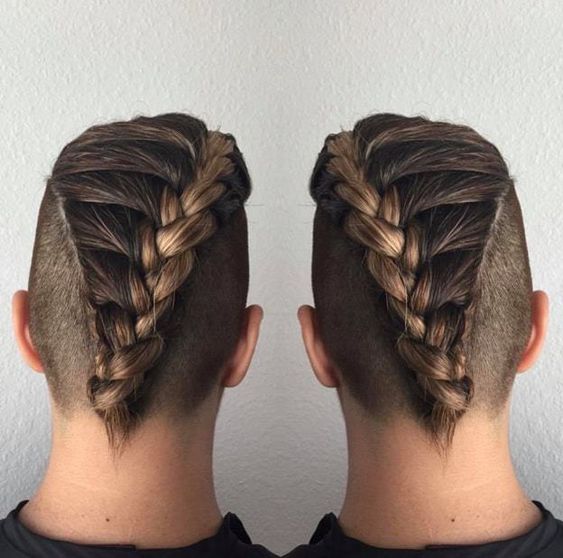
{"points": [[281, 75]]}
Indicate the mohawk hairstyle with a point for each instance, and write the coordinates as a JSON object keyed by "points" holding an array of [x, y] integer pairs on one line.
{"points": [[140, 267], [420, 268]]}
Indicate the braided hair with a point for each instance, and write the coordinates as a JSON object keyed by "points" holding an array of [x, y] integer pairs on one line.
{"points": [[138, 199], [421, 198]]}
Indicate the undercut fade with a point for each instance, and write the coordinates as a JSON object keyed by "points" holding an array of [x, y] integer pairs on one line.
{"points": [[139, 273], [421, 276]]}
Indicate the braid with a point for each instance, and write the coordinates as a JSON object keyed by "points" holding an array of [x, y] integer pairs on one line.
{"points": [[418, 212], [139, 198]]}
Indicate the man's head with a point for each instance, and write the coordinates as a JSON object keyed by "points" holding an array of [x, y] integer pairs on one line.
{"points": [[421, 279], [139, 276]]}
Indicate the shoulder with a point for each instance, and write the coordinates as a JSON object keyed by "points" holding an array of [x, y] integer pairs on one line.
{"points": [[320, 544], [6, 549], [243, 547], [307, 551], [548, 536], [256, 551], [248, 550], [555, 548]]}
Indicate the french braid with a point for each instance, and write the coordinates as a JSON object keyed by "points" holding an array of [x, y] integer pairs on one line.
{"points": [[139, 197], [411, 192]]}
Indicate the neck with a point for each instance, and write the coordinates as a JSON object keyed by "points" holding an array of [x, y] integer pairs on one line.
{"points": [[402, 493], [158, 493]]}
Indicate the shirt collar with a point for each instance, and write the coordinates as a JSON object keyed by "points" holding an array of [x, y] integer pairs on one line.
{"points": [[230, 533], [329, 535]]}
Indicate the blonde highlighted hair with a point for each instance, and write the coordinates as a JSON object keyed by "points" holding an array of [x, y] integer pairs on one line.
{"points": [[429, 213], [128, 216]]}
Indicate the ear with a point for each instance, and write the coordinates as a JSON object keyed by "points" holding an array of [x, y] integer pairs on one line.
{"points": [[20, 323], [239, 363], [540, 313], [318, 356]]}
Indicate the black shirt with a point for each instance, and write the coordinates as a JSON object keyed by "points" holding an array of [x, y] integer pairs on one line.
{"points": [[232, 541], [543, 541]]}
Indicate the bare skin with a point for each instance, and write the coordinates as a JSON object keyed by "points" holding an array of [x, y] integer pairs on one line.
{"points": [[159, 493], [396, 478]]}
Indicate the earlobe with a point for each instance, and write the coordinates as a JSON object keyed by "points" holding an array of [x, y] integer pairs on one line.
{"points": [[20, 321], [540, 313], [318, 356], [239, 363]]}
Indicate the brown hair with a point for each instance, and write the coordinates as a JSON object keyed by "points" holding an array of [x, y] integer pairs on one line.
{"points": [[419, 253], [140, 268]]}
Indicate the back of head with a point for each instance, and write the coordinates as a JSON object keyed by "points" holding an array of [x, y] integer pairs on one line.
{"points": [[420, 269], [139, 275]]}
